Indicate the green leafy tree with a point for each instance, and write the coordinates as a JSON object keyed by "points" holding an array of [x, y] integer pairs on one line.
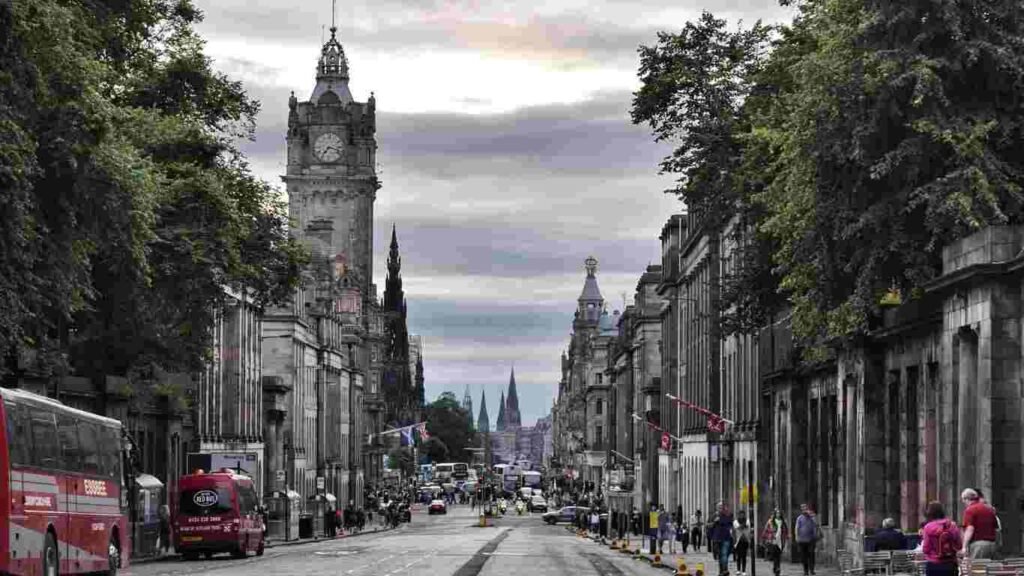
{"points": [[869, 136], [695, 89], [125, 206], [897, 132], [451, 425]]}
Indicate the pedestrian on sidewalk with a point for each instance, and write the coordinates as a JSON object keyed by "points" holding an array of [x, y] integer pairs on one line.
{"points": [[741, 528], [696, 529], [807, 535], [775, 536], [635, 522], [682, 533], [652, 529], [940, 542], [664, 528], [723, 537], [980, 526]]}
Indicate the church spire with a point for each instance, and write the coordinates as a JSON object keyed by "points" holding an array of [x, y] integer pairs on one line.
{"points": [[483, 423], [512, 418], [394, 296], [501, 413], [467, 404]]}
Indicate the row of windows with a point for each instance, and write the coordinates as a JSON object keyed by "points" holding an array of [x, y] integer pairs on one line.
{"points": [[40, 438]]}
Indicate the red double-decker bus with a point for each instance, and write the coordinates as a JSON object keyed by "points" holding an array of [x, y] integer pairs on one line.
{"points": [[63, 505]]}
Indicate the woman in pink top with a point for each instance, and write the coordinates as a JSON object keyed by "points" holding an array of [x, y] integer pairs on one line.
{"points": [[940, 540]]}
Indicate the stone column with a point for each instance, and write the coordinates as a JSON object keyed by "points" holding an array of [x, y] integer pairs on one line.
{"points": [[967, 414]]}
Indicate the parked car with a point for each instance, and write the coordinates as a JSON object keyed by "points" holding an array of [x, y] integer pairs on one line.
{"points": [[437, 507], [538, 504], [217, 512], [566, 514]]}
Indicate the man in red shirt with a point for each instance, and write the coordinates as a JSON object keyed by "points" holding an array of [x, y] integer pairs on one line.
{"points": [[979, 526]]}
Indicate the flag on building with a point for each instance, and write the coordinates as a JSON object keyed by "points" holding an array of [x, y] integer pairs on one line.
{"points": [[716, 423], [666, 441], [406, 436], [424, 435]]}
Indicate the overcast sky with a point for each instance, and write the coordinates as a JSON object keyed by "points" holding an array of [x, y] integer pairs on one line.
{"points": [[506, 155]]}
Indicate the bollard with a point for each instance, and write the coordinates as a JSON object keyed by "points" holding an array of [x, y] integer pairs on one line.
{"points": [[700, 569], [657, 560], [681, 568], [483, 520], [615, 545]]}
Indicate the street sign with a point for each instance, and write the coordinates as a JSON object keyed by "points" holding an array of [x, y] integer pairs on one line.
{"points": [[319, 482], [279, 475]]}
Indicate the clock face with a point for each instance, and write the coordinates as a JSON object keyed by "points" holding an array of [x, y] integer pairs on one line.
{"points": [[328, 147]]}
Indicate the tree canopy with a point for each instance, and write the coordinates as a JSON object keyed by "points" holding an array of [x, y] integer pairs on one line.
{"points": [[450, 427], [865, 137], [125, 205]]}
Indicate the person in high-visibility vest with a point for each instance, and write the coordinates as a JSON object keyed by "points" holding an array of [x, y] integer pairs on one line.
{"points": [[652, 528]]}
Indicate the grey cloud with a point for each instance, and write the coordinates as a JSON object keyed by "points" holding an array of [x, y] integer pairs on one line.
{"points": [[600, 32], [508, 252], [590, 137]]}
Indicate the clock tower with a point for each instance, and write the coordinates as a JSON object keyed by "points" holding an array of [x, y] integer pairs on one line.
{"points": [[331, 176]]}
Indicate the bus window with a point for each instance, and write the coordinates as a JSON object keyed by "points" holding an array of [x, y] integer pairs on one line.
{"points": [[19, 440], [46, 450], [110, 457], [67, 430], [90, 448]]}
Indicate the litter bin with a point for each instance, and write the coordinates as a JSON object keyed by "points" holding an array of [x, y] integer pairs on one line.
{"points": [[306, 526]]}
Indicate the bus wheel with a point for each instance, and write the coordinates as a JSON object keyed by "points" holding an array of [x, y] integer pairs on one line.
{"points": [[113, 557], [51, 562]]}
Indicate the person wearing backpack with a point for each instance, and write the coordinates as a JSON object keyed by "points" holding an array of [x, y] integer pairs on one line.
{"points": [[940, 542]]}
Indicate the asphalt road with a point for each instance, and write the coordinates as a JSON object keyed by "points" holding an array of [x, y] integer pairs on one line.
{"points": [[450, 545]]}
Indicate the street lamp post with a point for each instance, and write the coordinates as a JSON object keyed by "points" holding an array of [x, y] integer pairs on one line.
{"points": [[652, 395]]}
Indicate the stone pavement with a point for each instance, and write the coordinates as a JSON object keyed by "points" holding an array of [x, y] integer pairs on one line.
{"points": [[693, 558]]}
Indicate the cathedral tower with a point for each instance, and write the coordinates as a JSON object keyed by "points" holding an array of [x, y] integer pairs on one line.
{"points": [[501, 413], [483, 423], [512, 418]]}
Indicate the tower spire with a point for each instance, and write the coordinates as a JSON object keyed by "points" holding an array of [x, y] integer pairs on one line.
{"points": [[501, 413], [512, 417], [483, 423]]}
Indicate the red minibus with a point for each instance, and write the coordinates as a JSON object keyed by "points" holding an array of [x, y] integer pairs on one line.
{"points": [[217, 512], [63, 505]]}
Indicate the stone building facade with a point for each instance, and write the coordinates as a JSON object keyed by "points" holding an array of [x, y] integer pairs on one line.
{"points": [[928, 403], [323, 360], [227, 402]]}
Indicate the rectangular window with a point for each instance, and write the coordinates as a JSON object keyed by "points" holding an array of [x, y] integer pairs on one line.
{"points": [[90, 448], [600, 407], [599, 435], [67, 430], [600, 379], [19, 440], [46, 446], [109, 447]]}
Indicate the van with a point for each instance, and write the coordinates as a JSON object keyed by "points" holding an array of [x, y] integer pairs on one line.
{"points": [[217, 512]]}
